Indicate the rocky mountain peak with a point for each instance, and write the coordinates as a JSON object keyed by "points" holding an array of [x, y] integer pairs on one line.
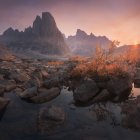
{"points": [[43, 37], [81, 33]]}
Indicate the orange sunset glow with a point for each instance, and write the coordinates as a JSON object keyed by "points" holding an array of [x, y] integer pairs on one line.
{"points": [[116, 19]]}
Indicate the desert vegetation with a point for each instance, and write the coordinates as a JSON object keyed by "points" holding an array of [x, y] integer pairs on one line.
{"points": [[105, 64]]}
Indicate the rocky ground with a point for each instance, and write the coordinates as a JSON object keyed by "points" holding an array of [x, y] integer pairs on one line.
{"points": [[40, 81]]}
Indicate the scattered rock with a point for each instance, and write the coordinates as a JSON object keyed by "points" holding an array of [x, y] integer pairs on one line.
{"points": [[46, 95], [137, 78], [3, 103], [120, 87], [104, 95], [53, 82], [1, 90], [7, 85], [28, 93], [85, 91], [132, 114], [50, 118], [19, 76]]}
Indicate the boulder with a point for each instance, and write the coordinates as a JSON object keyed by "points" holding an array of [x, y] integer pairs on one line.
{"points": [[1, 77], [19, 76], [50, 118], [1, 91], [52, 82], [3, 103], [45, 96], [85, 91], [7, 85], [104, 95], [119, 86], [29, 93]]}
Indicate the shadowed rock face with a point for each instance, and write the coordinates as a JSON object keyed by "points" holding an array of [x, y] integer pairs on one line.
{"points": [[43, 37]]}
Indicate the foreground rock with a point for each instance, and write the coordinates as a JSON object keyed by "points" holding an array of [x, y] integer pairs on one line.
{"points": [[85, 91], [50, 118], [119, 87], [28, 93], [7, 85], [137, 78], [104, 95], [115, 89], [3, 103], [132, 111], [46, 95]]}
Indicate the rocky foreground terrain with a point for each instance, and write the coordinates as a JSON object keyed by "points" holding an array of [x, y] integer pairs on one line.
{"points": [[41, 81]]}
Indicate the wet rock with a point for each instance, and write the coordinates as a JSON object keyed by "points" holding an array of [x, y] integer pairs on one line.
{"points": [[7, 85], [46, 95], [28, 93], [18, 90], [52, 82], [19, 76], [132, 114], [50, 118], [1, 77], [1, 91], [44, 74], [104, 95], [3, 103], [137, 78], [120, 87], [85, 91], [33, 82]]}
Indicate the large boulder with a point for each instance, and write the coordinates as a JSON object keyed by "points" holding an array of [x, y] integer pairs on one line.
{"points": [[51, 82], [50, 118], [46, 95], [86, 90], [119, 87], [28, 93], [3, 103], [104, 95]]}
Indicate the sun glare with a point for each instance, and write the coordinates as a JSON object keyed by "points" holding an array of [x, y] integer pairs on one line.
{"points": [[135, 42]]}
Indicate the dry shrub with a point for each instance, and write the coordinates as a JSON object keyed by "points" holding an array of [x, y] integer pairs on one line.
{"points": [[102, 64]]}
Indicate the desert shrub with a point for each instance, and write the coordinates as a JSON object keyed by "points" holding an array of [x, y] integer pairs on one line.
{"points": [[102, 65]]}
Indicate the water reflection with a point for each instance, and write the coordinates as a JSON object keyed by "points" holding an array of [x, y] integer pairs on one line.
{"points": [[100, 121], [135, 91]]}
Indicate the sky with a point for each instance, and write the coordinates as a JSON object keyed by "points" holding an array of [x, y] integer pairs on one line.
{"points": [[116, 19]]}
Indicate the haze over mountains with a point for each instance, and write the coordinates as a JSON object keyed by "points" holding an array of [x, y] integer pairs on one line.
{"points": [[84, 44], [45, 39]]}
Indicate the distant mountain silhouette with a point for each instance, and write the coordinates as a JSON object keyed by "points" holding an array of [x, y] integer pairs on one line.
{"points": [[43, 37], [84, 44], [127, 48]]}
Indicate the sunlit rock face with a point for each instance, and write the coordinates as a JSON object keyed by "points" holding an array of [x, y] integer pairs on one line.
{"points": [[43, 37], [84, 44]]}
